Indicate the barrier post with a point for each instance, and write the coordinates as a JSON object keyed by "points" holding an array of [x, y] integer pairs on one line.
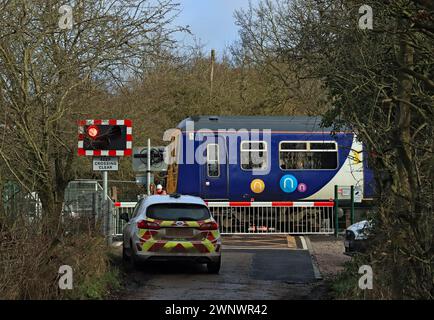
{"points": [[352, 205], [336, 211]]}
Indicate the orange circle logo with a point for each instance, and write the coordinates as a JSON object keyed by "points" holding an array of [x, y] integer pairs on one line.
{"points": [[257, 186]]}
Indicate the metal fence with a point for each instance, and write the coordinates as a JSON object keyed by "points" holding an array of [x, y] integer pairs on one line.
{"points": [[259, 217], [119, 208], [83, 198], [274, 217], [16, 201]]}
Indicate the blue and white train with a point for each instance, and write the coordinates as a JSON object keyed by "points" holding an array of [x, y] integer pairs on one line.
{"points": [[257, 158]]}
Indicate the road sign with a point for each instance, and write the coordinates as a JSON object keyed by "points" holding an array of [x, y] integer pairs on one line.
{"points": [[345, 193], [105, 164], [358, 194], [140, 159]]}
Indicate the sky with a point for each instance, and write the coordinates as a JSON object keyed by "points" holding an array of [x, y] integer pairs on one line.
{"points": [[211, 21]]}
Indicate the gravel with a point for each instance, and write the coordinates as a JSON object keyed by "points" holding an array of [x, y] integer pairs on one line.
{"points": [[328, 253]]}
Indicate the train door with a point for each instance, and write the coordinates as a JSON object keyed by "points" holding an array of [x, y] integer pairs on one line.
{"points": [[214, 171]]}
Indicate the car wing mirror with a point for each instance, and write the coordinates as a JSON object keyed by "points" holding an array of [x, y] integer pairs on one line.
{"points": [[124, 216]]}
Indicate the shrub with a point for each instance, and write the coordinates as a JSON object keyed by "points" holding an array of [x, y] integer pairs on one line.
{"points": [[30, 261]]}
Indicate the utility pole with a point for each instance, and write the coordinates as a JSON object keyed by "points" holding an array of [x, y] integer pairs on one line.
{"points": [[212, 74]]}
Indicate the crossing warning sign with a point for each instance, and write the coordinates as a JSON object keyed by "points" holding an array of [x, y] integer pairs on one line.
{"points": [[105, 163]]}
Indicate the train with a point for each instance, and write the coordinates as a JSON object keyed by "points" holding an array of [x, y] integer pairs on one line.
{"points": [[265, 158]]}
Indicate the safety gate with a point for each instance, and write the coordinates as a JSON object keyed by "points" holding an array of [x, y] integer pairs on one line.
{"points": [[119, 208], [316, 217], [274, 217]]}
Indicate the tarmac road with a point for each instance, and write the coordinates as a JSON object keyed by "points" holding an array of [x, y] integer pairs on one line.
{"points": [[278, 269]]}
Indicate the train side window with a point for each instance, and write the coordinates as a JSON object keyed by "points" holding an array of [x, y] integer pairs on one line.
{"points": [[253, 155], [308, 155], [212, 159]]}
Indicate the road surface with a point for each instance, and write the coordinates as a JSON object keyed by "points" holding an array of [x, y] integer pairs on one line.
{"points": [[261, 267]]}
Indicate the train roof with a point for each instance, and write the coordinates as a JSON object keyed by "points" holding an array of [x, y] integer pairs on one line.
{"points": [[274, 123]]}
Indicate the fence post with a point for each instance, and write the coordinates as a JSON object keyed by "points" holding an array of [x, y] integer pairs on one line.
{"points": [[107, 211], [352, 205], [336, 211]]}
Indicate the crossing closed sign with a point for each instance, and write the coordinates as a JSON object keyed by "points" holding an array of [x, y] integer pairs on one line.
{"points": [[105, 164]]}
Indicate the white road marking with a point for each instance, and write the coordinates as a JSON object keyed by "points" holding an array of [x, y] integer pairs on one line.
{"points": [[303, 243]]}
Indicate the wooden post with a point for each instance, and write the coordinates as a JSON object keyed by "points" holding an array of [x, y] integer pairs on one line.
{"points": [[211, 74]]}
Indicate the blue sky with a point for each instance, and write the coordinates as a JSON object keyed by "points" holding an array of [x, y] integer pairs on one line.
{"points": [[211, 21]]}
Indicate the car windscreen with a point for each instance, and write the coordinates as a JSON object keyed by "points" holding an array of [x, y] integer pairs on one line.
{"points": [[178, 212]]}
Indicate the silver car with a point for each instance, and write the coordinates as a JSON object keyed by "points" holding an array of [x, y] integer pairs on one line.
{"points": [[172, 227]]}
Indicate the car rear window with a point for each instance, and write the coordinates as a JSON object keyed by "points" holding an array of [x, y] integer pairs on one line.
{"points": [[178, 212]]}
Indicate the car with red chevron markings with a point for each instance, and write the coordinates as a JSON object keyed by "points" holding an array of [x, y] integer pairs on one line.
{"points": [[172, 228]]}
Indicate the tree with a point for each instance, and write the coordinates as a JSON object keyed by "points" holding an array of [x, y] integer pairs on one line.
{"points": [[379, 83], [278, 39], [48, 70]]}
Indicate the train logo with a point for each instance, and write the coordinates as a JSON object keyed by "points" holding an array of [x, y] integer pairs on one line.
{"points": [[302, 187], [288, 183], [257, 186]]}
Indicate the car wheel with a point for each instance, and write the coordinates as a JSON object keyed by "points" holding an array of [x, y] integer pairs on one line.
{"points": [[214, 267]]}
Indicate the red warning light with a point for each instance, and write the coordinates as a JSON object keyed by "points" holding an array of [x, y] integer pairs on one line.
{"points": [[93, 131], [105, 137]]}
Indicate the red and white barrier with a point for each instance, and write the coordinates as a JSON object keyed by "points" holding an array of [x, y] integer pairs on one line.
{"points": [[125, 204], [250, 204], [270, 204]]}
